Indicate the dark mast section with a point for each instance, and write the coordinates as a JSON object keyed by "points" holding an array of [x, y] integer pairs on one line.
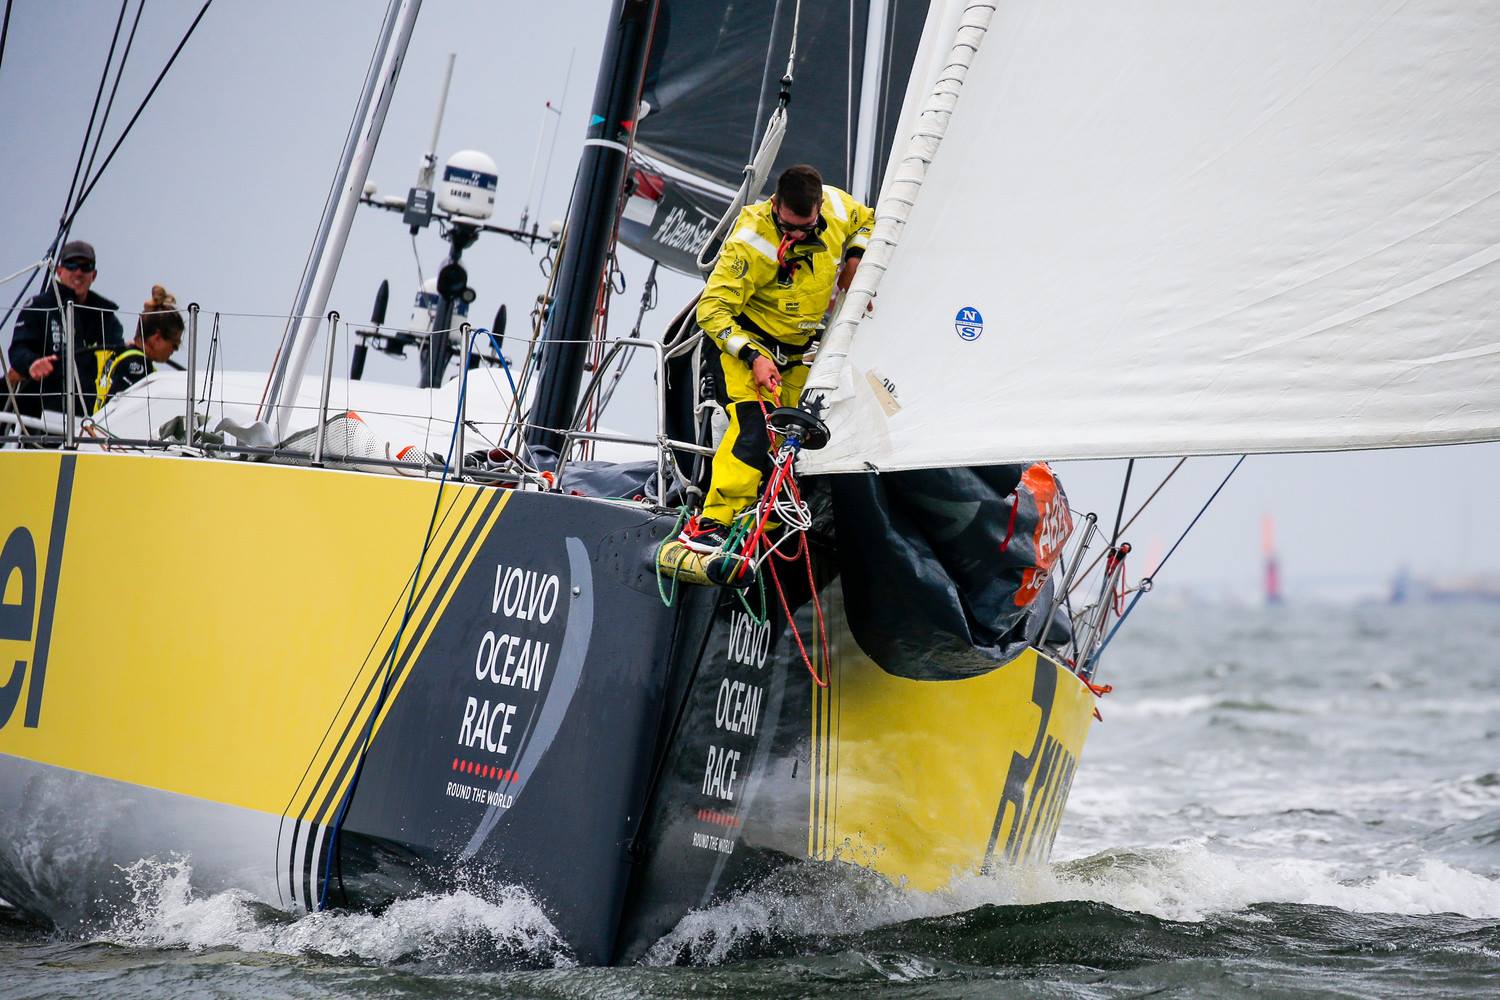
{"points": [[591, 223]]}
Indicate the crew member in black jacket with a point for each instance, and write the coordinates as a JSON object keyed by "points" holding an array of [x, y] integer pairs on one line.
{"points": [[37, 348]]}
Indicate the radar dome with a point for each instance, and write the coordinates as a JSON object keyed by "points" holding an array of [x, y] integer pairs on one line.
{"points": [[468, 185]]}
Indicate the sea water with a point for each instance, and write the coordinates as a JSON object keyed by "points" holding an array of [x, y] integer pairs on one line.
{"points": [[1293, 801]]}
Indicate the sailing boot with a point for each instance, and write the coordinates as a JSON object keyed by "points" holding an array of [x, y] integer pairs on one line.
{"points": [[704, 535]]}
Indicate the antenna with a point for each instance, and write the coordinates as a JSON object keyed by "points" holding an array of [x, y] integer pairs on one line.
{"points": [[429, 162], [556, 113], [417, 212], [461, 202]]}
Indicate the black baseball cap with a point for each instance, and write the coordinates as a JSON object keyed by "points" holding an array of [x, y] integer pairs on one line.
{"points": [[76, 250]]}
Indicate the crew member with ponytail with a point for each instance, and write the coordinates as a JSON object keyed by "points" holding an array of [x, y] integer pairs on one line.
{"points": [[158, 334]]}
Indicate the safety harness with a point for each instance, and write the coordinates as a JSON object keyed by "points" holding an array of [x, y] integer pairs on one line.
{"points": [[106, 361]]}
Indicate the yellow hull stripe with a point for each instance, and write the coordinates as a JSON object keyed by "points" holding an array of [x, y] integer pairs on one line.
{"points": [[423, 622], [449, 556], [213, 626], [909, 776]]}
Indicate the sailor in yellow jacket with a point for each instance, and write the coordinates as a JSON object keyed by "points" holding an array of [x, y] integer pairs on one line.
{"points": [[763, 305]]}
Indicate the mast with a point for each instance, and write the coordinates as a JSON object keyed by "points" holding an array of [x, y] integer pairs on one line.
{"points": [[591, 223], [338, 216], [866, 132]]}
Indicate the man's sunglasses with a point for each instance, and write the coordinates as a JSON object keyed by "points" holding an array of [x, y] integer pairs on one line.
{"points": [[78, 265], [796, 227]]}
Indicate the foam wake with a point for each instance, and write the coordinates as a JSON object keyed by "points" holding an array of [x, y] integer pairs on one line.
{"points": [[1189, 881], [502, 925], [1184, 883]]}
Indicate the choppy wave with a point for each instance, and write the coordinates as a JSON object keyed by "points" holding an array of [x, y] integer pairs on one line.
{"points": [[1184, 884], [165, 912], [1189, 882]]}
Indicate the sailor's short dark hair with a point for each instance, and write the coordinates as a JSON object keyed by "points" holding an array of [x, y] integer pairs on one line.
{"points": [[800, 189]]}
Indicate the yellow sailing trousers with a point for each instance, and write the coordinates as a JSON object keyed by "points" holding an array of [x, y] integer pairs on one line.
{"points": [[743, 458]]}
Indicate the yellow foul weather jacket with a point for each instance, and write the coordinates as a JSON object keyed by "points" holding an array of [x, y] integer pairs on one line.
{"points": [[754, 302]]}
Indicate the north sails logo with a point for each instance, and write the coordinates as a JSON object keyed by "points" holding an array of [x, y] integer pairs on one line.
{"points": [[969, 323]]}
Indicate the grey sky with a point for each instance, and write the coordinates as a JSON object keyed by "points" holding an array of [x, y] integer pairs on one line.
{"points": [[217, 192]]}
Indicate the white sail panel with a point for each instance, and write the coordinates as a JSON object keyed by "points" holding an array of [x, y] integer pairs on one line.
{"points": [[1192, 228]]}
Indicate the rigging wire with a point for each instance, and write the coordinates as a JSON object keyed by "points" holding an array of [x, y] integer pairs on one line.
{"points": [[1138, 512], [182, 43], [562, 107], [1114, 537], [388, 663], [88, 133], [882, 108], [1144, 587], [69, 214], [765, 75], [649, 299], [115, 88], [417, 256], [83, 148], [5, 30], [214, 359], [28, 268]]}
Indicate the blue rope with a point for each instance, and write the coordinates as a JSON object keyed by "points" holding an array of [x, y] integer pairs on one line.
{"points": [[510, 378], [390, 655], [503, 363], [1145, 585]]}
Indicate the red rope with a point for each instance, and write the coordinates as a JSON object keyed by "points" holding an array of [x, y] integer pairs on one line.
{"points": [[1119, 592], [1099, 691], [812, 588], [796, 634], [768, 498], [1010, 529], [781, 474]]}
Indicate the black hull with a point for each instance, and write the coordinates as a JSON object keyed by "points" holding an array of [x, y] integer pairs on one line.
{"points": [[531, 713]]}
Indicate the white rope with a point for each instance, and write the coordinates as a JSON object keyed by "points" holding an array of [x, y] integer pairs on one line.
{"points": [[755, 174], [898, 195], [28, 269], [759, 167]]}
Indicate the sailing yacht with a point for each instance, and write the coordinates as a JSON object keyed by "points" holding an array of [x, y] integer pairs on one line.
{"points": [[1169, 231]]}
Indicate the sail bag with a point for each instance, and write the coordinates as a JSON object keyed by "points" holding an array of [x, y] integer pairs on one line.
{"points": [[945, 572]]}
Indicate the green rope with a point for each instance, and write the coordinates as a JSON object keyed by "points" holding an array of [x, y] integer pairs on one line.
{"points": [[760, 585], [666, 599], [738, 532]]}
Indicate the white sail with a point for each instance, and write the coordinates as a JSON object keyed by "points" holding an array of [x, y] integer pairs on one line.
{"points": [[1180, 227]]}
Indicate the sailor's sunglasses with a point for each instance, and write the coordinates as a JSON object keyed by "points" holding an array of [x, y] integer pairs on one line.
{"points": [[78, 265], [801, 228]]}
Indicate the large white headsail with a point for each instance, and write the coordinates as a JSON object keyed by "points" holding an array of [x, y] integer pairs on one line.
{"points": [[1178, 227]]}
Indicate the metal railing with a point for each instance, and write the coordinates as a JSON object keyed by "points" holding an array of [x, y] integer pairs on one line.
{"points": [[666, 448], [1089, 624], [198, 405]]}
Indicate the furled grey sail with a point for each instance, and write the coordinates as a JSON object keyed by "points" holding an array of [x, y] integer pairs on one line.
{"points": [[712, 83]]}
